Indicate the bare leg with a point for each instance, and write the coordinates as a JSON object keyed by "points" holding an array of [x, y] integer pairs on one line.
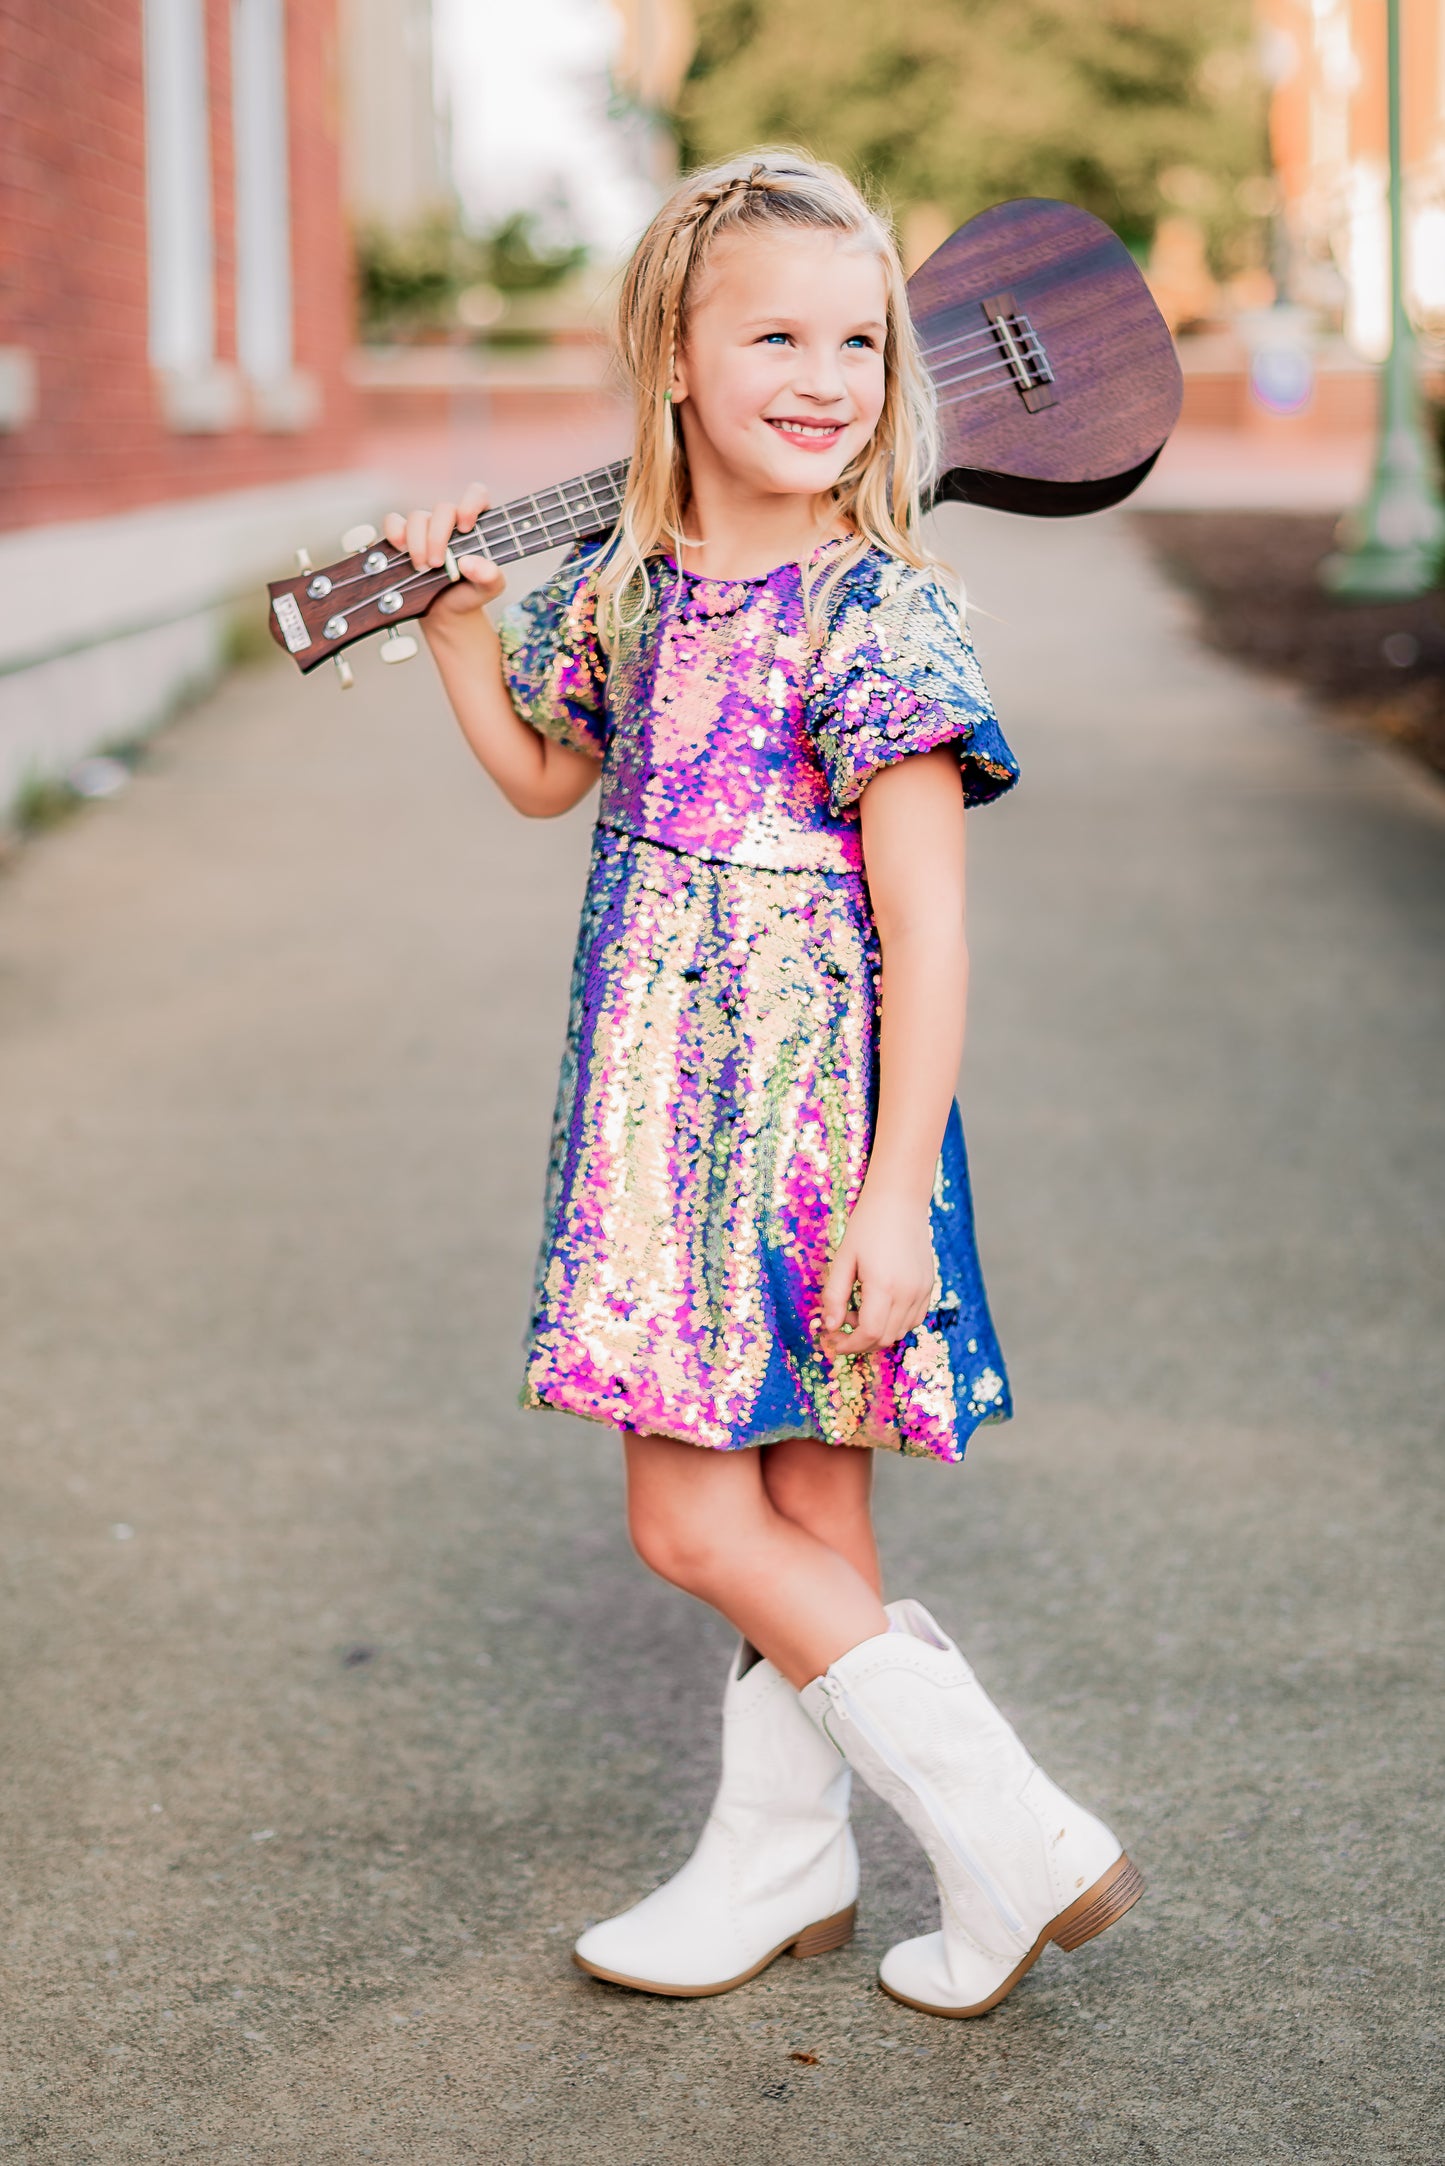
{"points": [[827, 1489], [705, 1520]]}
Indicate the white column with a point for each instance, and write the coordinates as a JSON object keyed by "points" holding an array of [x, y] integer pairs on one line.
{"points": [[263, 207], [198, 394], [281, 398]]}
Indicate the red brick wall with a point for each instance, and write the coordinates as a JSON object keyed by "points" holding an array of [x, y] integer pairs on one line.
{"points": [[223, 222], [73, 263]]}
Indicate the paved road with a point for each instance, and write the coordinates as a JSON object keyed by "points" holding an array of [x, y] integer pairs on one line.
{"points": [[335, 1701]]}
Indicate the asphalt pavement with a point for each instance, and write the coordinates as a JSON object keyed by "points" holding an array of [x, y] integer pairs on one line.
{"points": [[334, 1701]]}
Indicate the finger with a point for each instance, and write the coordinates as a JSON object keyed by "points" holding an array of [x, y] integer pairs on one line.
{"points": [[416, 527], [844, 1340], [474, 502], [481, 572], [869, 1333], [898, 1323], [393, 526], [918, 1312], [869, 1339], [440, 528], [911, 1311], [899, 1320], [838, 1287]]}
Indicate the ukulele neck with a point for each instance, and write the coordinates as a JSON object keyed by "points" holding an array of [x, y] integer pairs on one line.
{"points": [[572, 511]]}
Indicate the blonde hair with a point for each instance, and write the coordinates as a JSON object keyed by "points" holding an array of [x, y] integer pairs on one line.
{"points": [[880, 493]]}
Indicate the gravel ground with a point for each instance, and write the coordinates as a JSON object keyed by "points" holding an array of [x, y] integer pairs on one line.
{"points": [[335, 1703]]}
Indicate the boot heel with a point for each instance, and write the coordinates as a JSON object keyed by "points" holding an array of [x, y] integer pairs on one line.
{"points": [[827, 1934], [1098, 1907]]}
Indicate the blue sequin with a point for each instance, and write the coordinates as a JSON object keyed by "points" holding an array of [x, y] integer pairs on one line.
{"points": [[719, 1085]]}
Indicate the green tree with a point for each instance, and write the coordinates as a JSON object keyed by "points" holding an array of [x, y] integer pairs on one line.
{"points": [[409, 281], [1129, 107]]}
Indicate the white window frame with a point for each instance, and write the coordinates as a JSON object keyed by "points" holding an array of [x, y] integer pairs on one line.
{"points": [[263, 190], [181, 245]]}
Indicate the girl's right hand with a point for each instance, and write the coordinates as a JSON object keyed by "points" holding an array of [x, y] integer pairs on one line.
{"points": [[426, 535]]}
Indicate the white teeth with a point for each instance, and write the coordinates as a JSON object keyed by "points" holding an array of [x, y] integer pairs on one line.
{"points": [[803, 428]]}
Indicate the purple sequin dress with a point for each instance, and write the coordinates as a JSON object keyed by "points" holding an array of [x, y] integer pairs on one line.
{"points": [[720, 1077]]}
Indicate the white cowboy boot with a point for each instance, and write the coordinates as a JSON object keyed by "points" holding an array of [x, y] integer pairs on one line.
{"points": [[1018, 1863], [775, 1868]]}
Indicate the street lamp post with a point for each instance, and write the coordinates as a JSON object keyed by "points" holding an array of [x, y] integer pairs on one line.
{"points": [[1390, 547]]}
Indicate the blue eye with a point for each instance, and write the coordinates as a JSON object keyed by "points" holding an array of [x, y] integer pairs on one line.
{"points": [[859, 338], [770, 338]]}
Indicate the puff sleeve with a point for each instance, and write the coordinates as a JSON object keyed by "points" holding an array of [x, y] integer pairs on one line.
{"points": [[897, 674], [553, 662]]}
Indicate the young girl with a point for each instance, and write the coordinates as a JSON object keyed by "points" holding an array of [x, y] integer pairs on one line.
{"points": [[759, 1261]]}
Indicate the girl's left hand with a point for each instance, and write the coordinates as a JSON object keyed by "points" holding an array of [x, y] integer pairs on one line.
{"points": [[887, 1252], [426, 537]]}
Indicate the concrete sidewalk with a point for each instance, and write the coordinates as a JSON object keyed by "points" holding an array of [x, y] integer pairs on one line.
{"points": [[335, 1701]]}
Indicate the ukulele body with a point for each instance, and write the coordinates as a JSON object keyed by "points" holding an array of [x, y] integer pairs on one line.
{"points": [[1113, 372]]}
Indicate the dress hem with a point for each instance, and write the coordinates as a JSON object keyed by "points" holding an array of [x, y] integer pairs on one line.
{"points": [[534, 1402]]}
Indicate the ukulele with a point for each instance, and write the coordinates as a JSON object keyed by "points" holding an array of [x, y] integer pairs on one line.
{"points": [[1057, 387]]}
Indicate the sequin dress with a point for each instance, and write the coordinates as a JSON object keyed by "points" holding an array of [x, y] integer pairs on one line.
{"points": [[719, 1083]]}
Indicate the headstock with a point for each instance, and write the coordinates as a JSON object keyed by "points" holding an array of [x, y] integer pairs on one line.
{"points": [[317, 614]]}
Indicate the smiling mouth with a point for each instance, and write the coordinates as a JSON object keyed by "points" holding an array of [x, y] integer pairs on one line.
{"points": [[806, 432]]}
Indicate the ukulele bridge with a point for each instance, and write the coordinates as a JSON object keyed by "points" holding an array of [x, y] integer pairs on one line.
{"points": [[1023, 350]]}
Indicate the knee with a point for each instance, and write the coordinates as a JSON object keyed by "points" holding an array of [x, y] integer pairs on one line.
{"points": [[819, 1495], [688, 1551]]}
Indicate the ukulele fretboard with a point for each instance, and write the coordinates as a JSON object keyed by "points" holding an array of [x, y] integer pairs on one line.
{"points": [[588, 504]]}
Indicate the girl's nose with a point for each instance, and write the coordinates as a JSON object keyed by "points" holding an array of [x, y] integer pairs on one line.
{"points": [[818, 376]]}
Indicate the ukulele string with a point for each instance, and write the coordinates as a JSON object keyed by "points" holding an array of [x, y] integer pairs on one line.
{"points": [[474, 542], [982, 391], [988, 368], [550, 505], [471, 544], [541, 524], [950, 350], [987, 334], [476, 545], [504, 525], [566, 514]]}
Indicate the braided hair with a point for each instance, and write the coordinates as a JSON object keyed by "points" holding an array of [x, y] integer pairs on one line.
{"points": [[879, 493]]}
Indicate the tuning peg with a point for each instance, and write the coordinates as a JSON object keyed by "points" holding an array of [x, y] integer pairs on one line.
{"points": [[400, 647], [303, 560], [357, 537], [345, 675]]}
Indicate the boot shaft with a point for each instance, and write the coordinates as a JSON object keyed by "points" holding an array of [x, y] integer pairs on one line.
{"points": [[776, 1762], [1004, 1841]]}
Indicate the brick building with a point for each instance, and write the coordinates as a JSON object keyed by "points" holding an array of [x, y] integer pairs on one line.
{"points": [[1326, 62], [175, 320]]}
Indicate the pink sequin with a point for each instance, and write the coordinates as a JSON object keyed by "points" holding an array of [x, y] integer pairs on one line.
{"points": [[719, 1084]]}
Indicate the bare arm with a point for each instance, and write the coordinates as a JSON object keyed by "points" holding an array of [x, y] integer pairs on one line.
{"points": [[538, 777], [913, 827]]}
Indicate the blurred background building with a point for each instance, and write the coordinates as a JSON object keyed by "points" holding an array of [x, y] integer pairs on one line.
{"points": [[175, 321], [263, 266], [1325, 60], [1296, 364], [396, 161]]}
